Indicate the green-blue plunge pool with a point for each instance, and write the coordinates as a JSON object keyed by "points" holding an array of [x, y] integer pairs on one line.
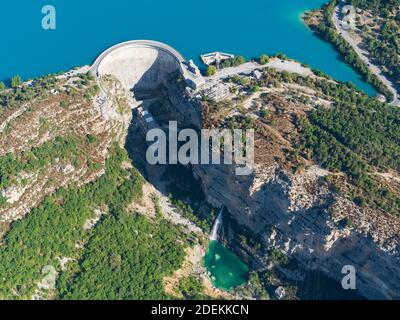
{"points": [[226, 269]]}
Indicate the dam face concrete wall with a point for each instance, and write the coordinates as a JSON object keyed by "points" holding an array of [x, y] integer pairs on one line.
{"points": [[139, 68], [143, 65]]}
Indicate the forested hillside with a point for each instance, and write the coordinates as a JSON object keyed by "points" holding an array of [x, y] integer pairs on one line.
{"points": [[124, 256], [65, 187], [359, 136]]}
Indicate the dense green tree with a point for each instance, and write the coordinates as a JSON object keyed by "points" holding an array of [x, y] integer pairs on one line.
{"points": [[264, 59], [211, 70], [238, 60], [16, 81]]}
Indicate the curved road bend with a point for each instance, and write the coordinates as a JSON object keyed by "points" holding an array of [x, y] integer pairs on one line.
{"points": [[364, 56]]}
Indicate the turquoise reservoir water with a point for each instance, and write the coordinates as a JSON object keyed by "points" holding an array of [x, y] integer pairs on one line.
{"points": [[85, 28], [227, 271]]}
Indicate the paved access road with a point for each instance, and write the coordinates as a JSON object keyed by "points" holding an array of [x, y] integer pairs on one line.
{"points": [[364, 55]]}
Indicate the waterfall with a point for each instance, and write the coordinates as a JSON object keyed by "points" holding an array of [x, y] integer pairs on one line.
{"points": [[216, 227]]}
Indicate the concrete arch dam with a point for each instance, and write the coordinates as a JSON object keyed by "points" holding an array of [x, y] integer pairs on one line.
{"points": [[144, 65]]}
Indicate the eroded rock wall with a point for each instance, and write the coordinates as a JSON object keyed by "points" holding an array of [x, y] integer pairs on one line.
{"points": [[301, 215], [292, 213]]}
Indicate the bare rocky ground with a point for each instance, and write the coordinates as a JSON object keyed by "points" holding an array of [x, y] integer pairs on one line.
{"points": [[61, 114]]}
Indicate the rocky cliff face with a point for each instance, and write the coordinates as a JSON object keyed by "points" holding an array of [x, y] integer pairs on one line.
{"points": [[299, 212]]}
